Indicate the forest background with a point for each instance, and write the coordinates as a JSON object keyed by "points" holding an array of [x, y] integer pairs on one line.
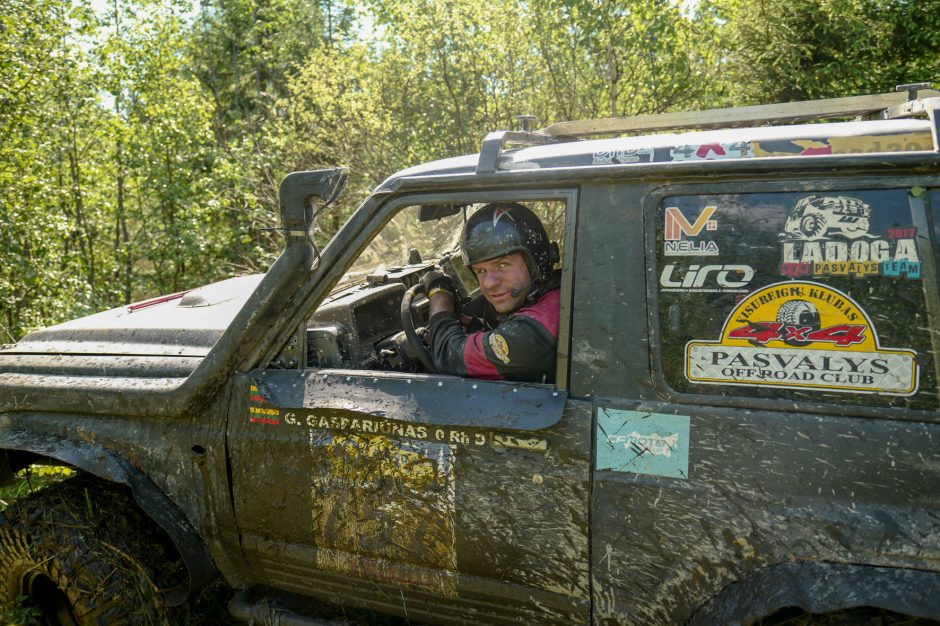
{"points": [[142, 141]]}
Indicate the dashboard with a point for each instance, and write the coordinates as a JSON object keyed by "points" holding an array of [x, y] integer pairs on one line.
{"points": [[360, 327]]}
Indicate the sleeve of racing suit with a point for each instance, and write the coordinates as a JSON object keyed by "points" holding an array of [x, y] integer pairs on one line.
{"points": [[447, 344], [521, 348]]}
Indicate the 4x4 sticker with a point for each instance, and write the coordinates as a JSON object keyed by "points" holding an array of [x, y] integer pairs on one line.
{"points": [[829, 235], [802, 335], [711, 151]]}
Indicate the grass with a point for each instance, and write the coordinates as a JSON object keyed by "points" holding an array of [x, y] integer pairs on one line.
{"points": [[30, 479], [27, 481], [17, 614]]}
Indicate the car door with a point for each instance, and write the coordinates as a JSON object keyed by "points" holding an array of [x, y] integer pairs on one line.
{"points": [[436, 497]]}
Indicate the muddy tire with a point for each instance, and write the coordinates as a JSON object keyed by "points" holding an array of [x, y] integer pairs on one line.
{"points": [[83, 553], [858, 616]]}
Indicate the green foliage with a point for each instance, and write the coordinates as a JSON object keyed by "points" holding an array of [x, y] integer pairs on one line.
{"points": [[142, 142], [30, 479], [598, 58], [785, 50], [18, 613], [47, 118]]}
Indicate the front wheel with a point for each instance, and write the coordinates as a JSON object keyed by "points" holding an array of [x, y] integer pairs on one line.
{"points": [[82, 553]]}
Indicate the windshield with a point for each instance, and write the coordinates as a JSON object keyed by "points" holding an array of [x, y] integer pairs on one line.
{"points": [[392, 247]]}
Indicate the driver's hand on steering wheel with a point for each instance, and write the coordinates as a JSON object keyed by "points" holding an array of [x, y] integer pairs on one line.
{"points": [[435, 281], [440, 291]]}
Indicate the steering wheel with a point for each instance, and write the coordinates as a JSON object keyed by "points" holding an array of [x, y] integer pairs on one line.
{"points": [[408, 314]]}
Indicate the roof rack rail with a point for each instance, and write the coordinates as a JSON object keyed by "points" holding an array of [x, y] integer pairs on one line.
{"points": [[496, 141], [908, 101]]}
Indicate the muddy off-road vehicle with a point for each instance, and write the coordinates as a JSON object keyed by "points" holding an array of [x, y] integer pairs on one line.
{"points": [[745, 417]]}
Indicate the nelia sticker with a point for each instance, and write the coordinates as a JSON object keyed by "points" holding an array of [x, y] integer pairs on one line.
{"points": [[680, 235], [802, 335]]}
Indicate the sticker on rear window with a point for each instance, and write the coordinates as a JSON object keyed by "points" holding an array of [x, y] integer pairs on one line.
{"points": [[802, 335], [830, 236], [682, 233]]}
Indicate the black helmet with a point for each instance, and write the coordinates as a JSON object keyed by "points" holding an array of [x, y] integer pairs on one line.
{"points": [[503, 228]]}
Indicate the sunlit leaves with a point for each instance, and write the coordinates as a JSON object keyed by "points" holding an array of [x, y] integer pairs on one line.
{"points": [[784, 50]]}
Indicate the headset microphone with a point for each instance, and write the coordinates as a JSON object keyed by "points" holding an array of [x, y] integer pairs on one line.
{"points": [[515, 293]]}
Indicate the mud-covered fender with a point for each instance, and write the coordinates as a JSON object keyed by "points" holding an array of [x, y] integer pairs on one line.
{"points": [[820, 587], [94, 459]]}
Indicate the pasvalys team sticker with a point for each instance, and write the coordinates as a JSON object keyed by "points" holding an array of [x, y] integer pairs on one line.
{"points": [[802, 335]]}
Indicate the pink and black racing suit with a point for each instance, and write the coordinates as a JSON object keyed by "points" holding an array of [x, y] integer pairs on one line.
{"points": [[521, 347]]}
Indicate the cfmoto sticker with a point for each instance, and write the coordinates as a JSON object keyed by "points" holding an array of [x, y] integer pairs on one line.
{"points": [[616, 157], [802, 335], [643, 443]]}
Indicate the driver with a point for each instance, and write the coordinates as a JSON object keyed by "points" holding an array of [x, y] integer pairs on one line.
{"points": [[511, 332]]}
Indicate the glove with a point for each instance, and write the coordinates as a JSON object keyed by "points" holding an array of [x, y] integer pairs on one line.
{"points": [[434, 281]]}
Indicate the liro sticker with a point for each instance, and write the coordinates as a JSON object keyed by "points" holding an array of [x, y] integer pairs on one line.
{"points": [[802, 335], [707, 278]]}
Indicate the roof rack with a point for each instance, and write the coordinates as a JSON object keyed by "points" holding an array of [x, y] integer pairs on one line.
{"points": [[495, 142], [906, 101], [881, 106]]}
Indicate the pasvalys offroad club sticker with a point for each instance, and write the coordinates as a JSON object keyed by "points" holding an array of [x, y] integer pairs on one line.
{"points": [[802, 335]]}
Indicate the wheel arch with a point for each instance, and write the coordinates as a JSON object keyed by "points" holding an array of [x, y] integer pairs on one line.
{"points": [[20, 448], [821, 587]]}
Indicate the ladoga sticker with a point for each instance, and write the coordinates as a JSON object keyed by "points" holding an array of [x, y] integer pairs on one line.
{"points": [[829, 235], [802, 335]]}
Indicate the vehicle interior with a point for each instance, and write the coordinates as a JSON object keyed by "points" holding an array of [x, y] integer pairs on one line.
{"points": [[376, 317]]}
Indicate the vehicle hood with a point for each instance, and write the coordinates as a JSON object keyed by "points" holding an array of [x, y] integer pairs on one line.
{"points": [[186, 324]]}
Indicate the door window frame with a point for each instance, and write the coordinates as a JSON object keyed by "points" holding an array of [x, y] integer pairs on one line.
{"points": [[568, 195]]}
